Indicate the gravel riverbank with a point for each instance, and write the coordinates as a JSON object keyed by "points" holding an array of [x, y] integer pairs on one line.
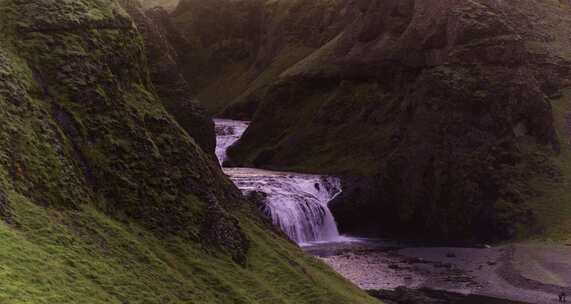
{"points": [[529, 273]]}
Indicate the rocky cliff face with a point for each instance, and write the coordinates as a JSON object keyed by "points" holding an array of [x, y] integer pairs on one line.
{"points": [[439, 112], [104, 196], [166, 75], [103, 107]]}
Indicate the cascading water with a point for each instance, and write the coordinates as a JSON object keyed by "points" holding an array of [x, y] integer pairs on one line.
{"points": [[297, 203], [227, 133]]}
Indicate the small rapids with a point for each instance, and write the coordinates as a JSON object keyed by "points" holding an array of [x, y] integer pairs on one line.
{"points": [[227, 133], [297, 203]]}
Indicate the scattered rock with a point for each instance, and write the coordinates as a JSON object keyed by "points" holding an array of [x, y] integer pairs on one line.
{"points": [[219, 229]]}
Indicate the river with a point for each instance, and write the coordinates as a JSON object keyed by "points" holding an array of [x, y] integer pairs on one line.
{"points": [[298, 205]]}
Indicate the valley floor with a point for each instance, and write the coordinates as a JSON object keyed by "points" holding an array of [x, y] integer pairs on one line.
{"points": [[531, 273]]}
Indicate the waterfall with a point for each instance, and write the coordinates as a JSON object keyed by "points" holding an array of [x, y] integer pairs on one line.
{"points": [[297, 203], [227, 133]]}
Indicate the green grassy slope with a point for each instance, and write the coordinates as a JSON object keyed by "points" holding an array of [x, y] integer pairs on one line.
{"points": [[103, 197], [84, 256]]}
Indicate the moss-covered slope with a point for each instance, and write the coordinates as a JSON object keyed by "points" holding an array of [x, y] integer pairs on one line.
{"points": [[104, 198]]}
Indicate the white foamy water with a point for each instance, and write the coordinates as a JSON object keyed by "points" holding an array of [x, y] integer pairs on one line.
{"points": [[227, 133], [297, 203]]}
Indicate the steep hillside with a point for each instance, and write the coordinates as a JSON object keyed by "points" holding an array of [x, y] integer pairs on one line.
{"points": [[104, 198], [164, 64], [438, 114], [230, 49]]}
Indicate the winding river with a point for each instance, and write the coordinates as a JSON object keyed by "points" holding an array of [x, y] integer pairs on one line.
{"points": [[297, 203]]}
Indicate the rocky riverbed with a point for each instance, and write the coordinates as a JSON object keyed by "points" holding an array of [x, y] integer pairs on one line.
{"points": [[528, 273]]}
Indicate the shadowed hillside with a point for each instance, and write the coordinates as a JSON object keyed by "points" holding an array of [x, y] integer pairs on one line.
{"points": [[438, 113]]}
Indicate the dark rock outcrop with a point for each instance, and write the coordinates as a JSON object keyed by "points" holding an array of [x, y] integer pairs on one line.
{"points": [[219, 229]]}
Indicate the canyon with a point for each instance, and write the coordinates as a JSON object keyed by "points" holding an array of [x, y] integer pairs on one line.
{"points": [[442, 118], [299, 151]]}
